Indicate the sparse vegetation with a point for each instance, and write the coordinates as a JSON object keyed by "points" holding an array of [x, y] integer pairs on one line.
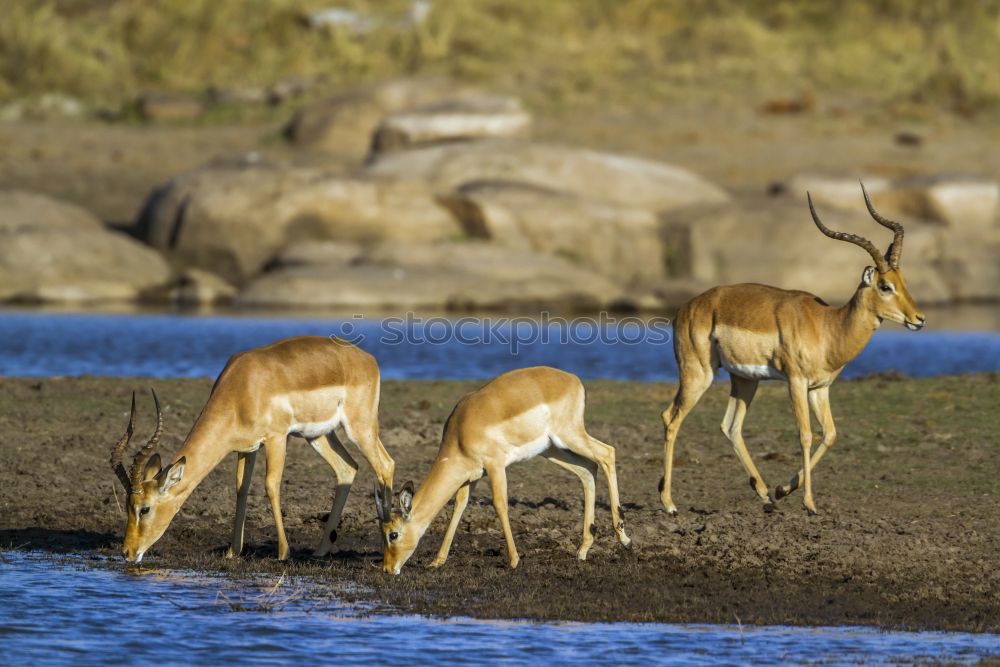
{"points": [[559, 52]]}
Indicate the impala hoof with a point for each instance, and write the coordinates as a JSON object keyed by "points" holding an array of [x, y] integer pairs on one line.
{"points": [[780, 492], [435, 564]]}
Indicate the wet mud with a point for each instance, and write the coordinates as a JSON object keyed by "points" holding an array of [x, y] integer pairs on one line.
{"points": [[907, 535]]}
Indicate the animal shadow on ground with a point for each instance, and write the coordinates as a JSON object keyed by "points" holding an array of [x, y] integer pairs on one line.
{"points": [[47, 539]]}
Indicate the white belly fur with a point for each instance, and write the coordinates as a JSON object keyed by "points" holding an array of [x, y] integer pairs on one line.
{"points": [[754, 371], [316, 429], [528, 450]]}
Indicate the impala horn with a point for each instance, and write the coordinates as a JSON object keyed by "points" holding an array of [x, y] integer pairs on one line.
{"points": [[144, 454], [880, 262], [119, 449], [896, 247], [383, 502]]}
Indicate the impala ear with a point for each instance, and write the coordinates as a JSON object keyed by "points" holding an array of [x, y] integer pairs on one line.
{"points": [[406, 499], [152, 468], [171, 475], [868, 277]]}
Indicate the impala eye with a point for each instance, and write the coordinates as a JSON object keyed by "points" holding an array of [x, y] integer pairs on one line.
{"points": [[885, 287], [144, 511], [393, 536]]}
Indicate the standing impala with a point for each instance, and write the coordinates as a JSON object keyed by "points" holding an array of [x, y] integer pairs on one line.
{"points": [[759, 333], [303, 386], [513, 418]]}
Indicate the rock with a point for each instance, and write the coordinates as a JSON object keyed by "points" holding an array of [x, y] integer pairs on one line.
{"points": [[54, 251], [197, 287], [233, 219], [617, 179], [775, 242], [466, 275], [159, 106], [960, 202], [970, 265], [344, 123], [471, 116], [319, 252], [620, 242], [841, 191]]}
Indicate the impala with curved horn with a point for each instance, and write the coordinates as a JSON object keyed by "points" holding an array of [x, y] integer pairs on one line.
{"points": [[759, 333], [304, 386], [515, 417]]}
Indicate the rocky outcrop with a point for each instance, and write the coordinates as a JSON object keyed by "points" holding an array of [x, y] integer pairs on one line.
{"points": [[233, 219], [344, 124], [774, 241], [457, 276], [470, 116], [620, 242], [961, 202], [616, 179], [55, 251]]}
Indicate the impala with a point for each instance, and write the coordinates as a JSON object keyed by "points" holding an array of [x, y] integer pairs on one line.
{"points": [[515, 417], [304, 386], [759, 333]]}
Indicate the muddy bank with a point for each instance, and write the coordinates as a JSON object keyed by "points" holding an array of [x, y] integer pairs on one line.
{"points": [[907, 535]]}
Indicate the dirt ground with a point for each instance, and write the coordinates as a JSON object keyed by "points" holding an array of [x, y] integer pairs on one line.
{"points": [[907, 537]]}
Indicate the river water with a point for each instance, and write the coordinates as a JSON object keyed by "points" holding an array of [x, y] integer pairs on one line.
{"points": [[176, 346], [62, 610]]}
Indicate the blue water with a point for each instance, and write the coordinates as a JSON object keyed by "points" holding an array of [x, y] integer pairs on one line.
{"points": [[61, 611], [175, 346]]}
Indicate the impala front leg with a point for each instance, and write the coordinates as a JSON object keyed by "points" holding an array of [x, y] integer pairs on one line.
{"points": [[274, 451], [798, 389], [498, 480], [819, 399], [461, 500], [244, 473]]}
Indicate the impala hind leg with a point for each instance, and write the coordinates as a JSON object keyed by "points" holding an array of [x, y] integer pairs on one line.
{"points": [[585, 469], [819, 400], [461, 501], [694, 382], [798, 389], [244, 473], [361, 428], [344, 468], [740, 397], [274, 453], [498, 482]]}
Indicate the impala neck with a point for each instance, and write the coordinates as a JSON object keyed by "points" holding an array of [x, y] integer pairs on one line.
{"points": [[444, 480], [857, 323], [208, 443]]}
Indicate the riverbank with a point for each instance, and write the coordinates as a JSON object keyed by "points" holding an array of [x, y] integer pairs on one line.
{"points": [[906, 538]]}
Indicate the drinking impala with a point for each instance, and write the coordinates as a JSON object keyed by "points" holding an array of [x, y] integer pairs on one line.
{"points": [[759, 333], [515, 417], [304, 386]]}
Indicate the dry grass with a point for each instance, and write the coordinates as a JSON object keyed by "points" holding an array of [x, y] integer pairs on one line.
{"points": [[558, 52]]}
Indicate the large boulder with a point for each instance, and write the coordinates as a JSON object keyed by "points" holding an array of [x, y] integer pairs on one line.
{"points": [[469, 116], [621, 242], [467, 275], [962, 202], [617, 179], [970, 264], [344, 123], [55, 251], [233, 219], [774, 241]]}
